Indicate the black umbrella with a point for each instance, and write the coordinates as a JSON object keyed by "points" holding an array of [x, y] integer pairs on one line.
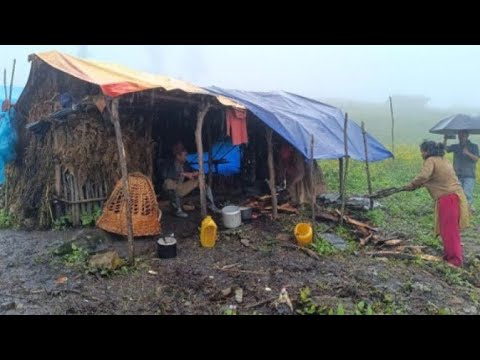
{"points": [[453, 124]]}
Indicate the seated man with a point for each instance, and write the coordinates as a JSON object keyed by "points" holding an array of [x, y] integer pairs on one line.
{"points": [[175, 174]]}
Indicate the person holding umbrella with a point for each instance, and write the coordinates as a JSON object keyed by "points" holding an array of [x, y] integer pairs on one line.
{"points": [[465, 157], [451, 207], [465, 152]]}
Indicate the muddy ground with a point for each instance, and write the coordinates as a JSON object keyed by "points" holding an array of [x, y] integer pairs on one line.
{"points": [[204, 281]]}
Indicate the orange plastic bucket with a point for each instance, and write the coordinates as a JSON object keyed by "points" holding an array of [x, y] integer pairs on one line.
{"points": [[303, 233]]}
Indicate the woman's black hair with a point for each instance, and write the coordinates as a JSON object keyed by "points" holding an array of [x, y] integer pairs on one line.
{"points": [[431, 148]]}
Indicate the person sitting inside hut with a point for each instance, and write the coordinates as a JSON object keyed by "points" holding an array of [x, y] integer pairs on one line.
{"points": [[181, 179], [291, 168]]}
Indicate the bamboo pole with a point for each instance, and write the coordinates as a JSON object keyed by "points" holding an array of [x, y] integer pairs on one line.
{"points": [[123, 165], [345, 173], [271, 171], [312, 184], [393, 127], [202, 111], [367, 167]]}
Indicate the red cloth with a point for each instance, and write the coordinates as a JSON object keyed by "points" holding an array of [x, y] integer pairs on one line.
{"points": [[449, 218], [237, 122]]}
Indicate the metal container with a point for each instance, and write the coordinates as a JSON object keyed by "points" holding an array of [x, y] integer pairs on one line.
{"points": [[231, 216], [166, 247], [246, 213]]}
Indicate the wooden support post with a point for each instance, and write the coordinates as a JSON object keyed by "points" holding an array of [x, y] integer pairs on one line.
{"points": [[123, 165], [345, 173], [393, 127], [11, 86], [367, 167], [312, 184], [210, 159], [271, 171], [202, 112], [340, 176]]}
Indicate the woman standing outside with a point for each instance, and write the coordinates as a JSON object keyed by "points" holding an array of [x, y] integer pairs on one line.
{"points": [[451, 206]]}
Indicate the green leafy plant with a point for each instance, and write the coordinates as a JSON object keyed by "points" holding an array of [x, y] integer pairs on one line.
{"points": [[90, 219], [6, 220], [78, 256], [62, 223], [362, 308], [323, 247]]}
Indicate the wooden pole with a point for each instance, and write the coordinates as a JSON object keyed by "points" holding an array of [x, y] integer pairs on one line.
{"points": [[393, 127], [340, 176], [123, 165], [345, 173], [271, 171], [367, 167], [312, 184], [11, 85], [210, 160], [202, 111]]}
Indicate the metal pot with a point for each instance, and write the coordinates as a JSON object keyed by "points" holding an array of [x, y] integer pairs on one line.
{"points": [[166, 247], [246, 213], [232, 217]]}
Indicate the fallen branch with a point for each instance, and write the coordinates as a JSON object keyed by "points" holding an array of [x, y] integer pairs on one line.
{"points": [[260, 303], [355, 222], [305, 250], [401, 255], [364, 241], [242, 271], [226, 267], [283, 208], [326, 216]]}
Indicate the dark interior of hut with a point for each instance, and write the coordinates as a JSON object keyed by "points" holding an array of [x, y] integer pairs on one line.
{"points": [[168, 122]]}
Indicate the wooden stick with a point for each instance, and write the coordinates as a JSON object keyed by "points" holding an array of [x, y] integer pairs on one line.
{"points": [[345, 173], [305, 250], [72, 196], [202, 111], [11, 85], [85, 201], [88, 195], [312, 184], [260, 303], [210, 160], [271, 171], [367, 167], [393, 127], [340, 176], [5, 83], [244, 271], [126, 191], [401, 255]]}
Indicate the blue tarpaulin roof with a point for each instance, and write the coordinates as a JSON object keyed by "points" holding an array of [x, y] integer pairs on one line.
{"points": [[296, 118]]}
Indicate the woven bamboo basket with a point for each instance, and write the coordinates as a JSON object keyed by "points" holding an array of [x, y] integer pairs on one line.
{"points": [[146, 214]]}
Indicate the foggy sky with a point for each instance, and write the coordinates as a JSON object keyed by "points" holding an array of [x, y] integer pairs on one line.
{"points": [[449, 75]]}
